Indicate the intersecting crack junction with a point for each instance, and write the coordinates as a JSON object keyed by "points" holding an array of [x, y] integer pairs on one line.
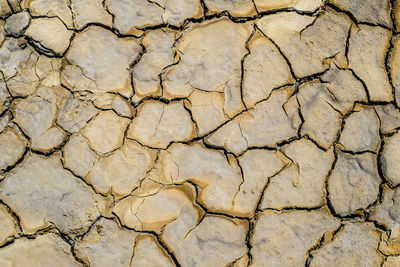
{"points": [[200, 133]]}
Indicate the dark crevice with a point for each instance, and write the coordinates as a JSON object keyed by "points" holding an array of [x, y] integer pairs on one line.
{"points": [[242, 68], [354, 19], [320, 243], [280, 52], [168, 251]]}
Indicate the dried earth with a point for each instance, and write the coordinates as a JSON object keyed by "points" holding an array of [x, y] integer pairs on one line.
{"points": [[200, 133]]}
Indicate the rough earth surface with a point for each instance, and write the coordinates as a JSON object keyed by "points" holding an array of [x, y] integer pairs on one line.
{"points": [[200, 133]]}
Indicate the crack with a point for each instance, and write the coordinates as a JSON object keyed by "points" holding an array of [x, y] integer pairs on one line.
{"points": [[166, 248], [17, 163], [187, 106], [156, 4], [354, 19], [291, 208], [93, 189], [241, 182], [300, 113], [73, 15], [14, 215], [321, 242], [280, 52], [224, 14], [254, 218], [242, 62], [388, 69]]}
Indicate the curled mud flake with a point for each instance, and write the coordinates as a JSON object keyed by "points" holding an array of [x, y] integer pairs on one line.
{"points": [[17, 23], [49, 36]]}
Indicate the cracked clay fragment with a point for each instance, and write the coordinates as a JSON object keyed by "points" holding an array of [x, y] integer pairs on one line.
{"points": [[148, 252], [394, 64], [353, 183], [390, 159], [215, 241], [303, 179], [269, 123], [299, 38], [44, 193], [44, 250], [104, 58], [361, 131], [218, 177], [49, 35], [354, 245], [152, 213], [105, 133], [376, 12], [51, 8], [321, 120], [261, 78], [89, 11], [367, 53], [12, 147], [388, 212], [106, 238], [159, 54], [284, 238], [210, 61], [17, 23], [121, 171], [158, 124], [78, 157]]}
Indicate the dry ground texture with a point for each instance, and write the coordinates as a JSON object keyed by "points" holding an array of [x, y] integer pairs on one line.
{"points": [[199, 133]]}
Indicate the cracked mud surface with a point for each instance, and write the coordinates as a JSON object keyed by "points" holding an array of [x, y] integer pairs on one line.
{"points": [[199, 133]]}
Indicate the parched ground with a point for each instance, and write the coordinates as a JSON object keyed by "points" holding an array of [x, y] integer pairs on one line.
{"points": [[199, 133]]}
